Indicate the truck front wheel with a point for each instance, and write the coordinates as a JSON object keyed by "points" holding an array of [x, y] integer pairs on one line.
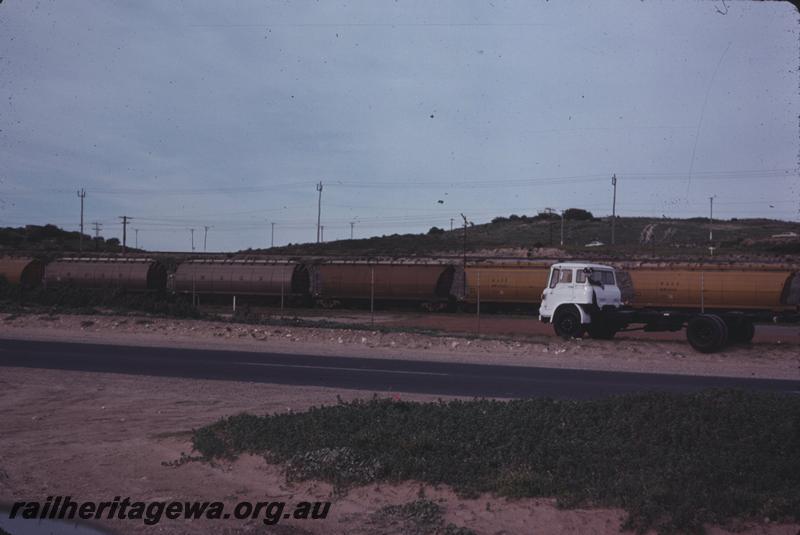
{"points": [[567, 323]]}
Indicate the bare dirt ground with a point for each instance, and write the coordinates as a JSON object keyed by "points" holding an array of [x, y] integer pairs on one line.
{"points": [[96, 436]]}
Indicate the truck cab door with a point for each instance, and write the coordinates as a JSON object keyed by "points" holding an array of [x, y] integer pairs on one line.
{"points": [[561, 289]]}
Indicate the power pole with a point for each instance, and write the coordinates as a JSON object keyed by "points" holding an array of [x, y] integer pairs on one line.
{"points": [[614, 209], [451, 224], [465, 255], [97, 226], [205, 236], [710, 218], [81, 196], [322, 233], [192, 231], [136, 230], [562, 228], [319, 212], [272, 236], [124, 232], [352, 224]]}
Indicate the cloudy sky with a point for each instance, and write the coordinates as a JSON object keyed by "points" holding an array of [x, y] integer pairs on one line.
{"points": [[190, 114]]}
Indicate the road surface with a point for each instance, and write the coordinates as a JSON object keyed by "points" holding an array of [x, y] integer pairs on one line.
{"points": [[377, 375]]}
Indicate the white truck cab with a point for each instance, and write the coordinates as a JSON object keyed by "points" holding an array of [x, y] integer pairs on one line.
{"points": [[576, 293]]}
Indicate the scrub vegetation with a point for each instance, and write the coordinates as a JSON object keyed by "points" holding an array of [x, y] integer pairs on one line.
{"points": [[67, 299], [674, 462], [420, 517], [640, 236]]}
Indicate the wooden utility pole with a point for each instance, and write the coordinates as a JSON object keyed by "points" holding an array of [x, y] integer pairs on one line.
{"points": [[465, 255], [124, 232], [81, 196], [711, 218], [614, 209], [97, 226], [319, 212]]}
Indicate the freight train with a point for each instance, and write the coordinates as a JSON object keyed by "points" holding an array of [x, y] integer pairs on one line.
{"points": [[773, 292]]}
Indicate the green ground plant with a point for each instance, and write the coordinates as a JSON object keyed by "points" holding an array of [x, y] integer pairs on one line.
{"points": [[673, 462]]}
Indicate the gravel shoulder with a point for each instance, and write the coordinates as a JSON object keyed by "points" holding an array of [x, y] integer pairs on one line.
{"points": [[774, 360]]}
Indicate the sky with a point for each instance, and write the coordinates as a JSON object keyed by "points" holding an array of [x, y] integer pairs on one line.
{"points": [[186, 115]]}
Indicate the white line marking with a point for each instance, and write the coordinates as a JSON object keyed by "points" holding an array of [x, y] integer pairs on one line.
{"points": [[363, 370]]}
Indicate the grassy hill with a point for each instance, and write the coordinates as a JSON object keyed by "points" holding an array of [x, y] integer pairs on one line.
{"points": [[523, 236]]}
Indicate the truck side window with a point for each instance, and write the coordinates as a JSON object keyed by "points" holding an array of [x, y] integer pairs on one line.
{"points": [[566, 275], [580, 277], [554, 278]]}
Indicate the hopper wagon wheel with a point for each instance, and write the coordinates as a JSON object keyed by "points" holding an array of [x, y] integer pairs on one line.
{"points": [[567, 323], [706, 333]]}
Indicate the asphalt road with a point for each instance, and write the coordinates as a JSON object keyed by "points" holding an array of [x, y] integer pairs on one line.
{"points": [[472, 380]]}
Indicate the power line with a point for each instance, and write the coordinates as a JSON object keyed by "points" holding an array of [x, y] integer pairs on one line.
{"points": [[431, 182]]}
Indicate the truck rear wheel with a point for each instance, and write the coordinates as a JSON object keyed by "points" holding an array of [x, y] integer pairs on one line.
{"points": [[601, 330], [567, 323], [706, 333], [725, 330], [743, 332]]}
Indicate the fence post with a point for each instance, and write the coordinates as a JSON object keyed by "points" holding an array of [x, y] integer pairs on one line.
{"points": [[702, 293], [281, 295], [234, 304], [372, 296], [478, 308]]}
